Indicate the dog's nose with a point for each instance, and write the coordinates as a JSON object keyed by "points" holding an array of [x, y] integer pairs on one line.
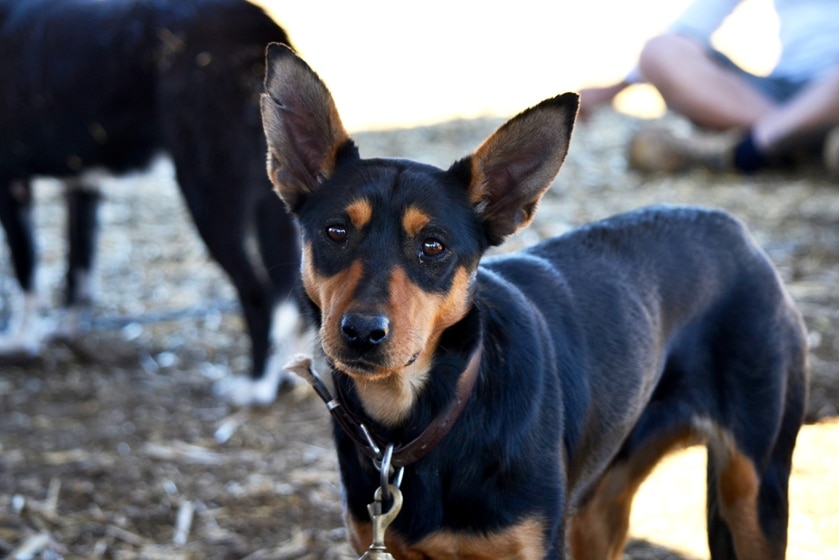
{"points": [[364, 330]]}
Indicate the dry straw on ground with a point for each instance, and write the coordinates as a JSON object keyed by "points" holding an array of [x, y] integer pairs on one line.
{"points": [[108, 446]]}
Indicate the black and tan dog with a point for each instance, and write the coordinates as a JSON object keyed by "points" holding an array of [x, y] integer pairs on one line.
{"points": [[594, 353]]}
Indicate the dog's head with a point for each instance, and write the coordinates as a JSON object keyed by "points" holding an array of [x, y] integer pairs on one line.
{"points": [[391, 246]]}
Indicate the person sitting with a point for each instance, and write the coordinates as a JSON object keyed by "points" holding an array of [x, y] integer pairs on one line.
{"points": [[759, 121]]}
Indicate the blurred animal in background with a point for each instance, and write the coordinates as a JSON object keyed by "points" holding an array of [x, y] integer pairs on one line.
{"points": [[92, 86]]}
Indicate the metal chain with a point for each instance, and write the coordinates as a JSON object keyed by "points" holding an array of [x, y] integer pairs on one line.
{"points": [[386, 470]]}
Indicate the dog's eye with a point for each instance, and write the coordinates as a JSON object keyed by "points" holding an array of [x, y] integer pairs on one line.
{"points": [[432, 247], [338, 234]]}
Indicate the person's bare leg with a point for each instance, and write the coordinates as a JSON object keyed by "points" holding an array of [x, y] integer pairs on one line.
{"points": [[698, 87], [810, 114]]}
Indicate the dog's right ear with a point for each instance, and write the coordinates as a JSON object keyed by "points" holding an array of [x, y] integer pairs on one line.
{"points": [[301, 124]]}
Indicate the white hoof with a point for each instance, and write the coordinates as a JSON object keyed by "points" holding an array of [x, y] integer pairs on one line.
{"points": [[21, 347], [242, 390]]}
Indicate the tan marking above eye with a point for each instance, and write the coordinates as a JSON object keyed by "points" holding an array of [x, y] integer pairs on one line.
{"points": [[360, 213], [414, 220]]}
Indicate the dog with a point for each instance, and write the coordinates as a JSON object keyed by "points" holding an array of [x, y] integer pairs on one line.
{"points": [[559, 375], [92, 87]]}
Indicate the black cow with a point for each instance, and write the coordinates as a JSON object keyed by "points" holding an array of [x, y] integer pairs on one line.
{"points": [[90, 85]]}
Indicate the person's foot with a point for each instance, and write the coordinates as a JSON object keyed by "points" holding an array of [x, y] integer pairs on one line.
{"points": [[657, 149], [830, 152]]}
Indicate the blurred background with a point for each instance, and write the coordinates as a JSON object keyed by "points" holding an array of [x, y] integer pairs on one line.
{"points": [[394, 64]]}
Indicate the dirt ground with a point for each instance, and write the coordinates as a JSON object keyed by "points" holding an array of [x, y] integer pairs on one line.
{"points": [[114, 446]]}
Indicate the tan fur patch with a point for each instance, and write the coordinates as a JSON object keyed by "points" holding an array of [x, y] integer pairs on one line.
{"points": [[738, 486], [389, 399], [417, 321], [422, 312], [599, 530], [414, 220], [360, 213], [523, 541], [333, 295]]}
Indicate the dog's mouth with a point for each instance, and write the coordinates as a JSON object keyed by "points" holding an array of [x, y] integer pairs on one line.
{"points": [[368, 370]]}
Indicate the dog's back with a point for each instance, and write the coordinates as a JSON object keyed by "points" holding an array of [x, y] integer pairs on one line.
{"points": [[684, 287]]}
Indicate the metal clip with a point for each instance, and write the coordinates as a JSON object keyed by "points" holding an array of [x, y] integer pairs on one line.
{"points": [[380, 523], [373, 447]]}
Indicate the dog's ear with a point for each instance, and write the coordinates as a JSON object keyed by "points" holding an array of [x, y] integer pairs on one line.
{"points": [[301, 124], [511, 170]]}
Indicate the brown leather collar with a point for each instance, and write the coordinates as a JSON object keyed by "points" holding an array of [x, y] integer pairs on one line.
{"points": [[428, 439]]}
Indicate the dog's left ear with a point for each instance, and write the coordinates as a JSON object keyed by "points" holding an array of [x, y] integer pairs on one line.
{"points": [[514, 166], [301, 124]]}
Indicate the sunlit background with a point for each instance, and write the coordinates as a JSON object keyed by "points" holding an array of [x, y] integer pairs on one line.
{"points": [[406, 63]]}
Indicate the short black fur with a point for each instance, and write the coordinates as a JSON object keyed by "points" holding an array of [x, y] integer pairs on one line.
{"points": [[89, 84], [600, 349]]}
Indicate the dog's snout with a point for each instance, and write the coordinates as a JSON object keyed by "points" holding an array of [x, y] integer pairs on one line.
{"points": [[364, 330]]}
